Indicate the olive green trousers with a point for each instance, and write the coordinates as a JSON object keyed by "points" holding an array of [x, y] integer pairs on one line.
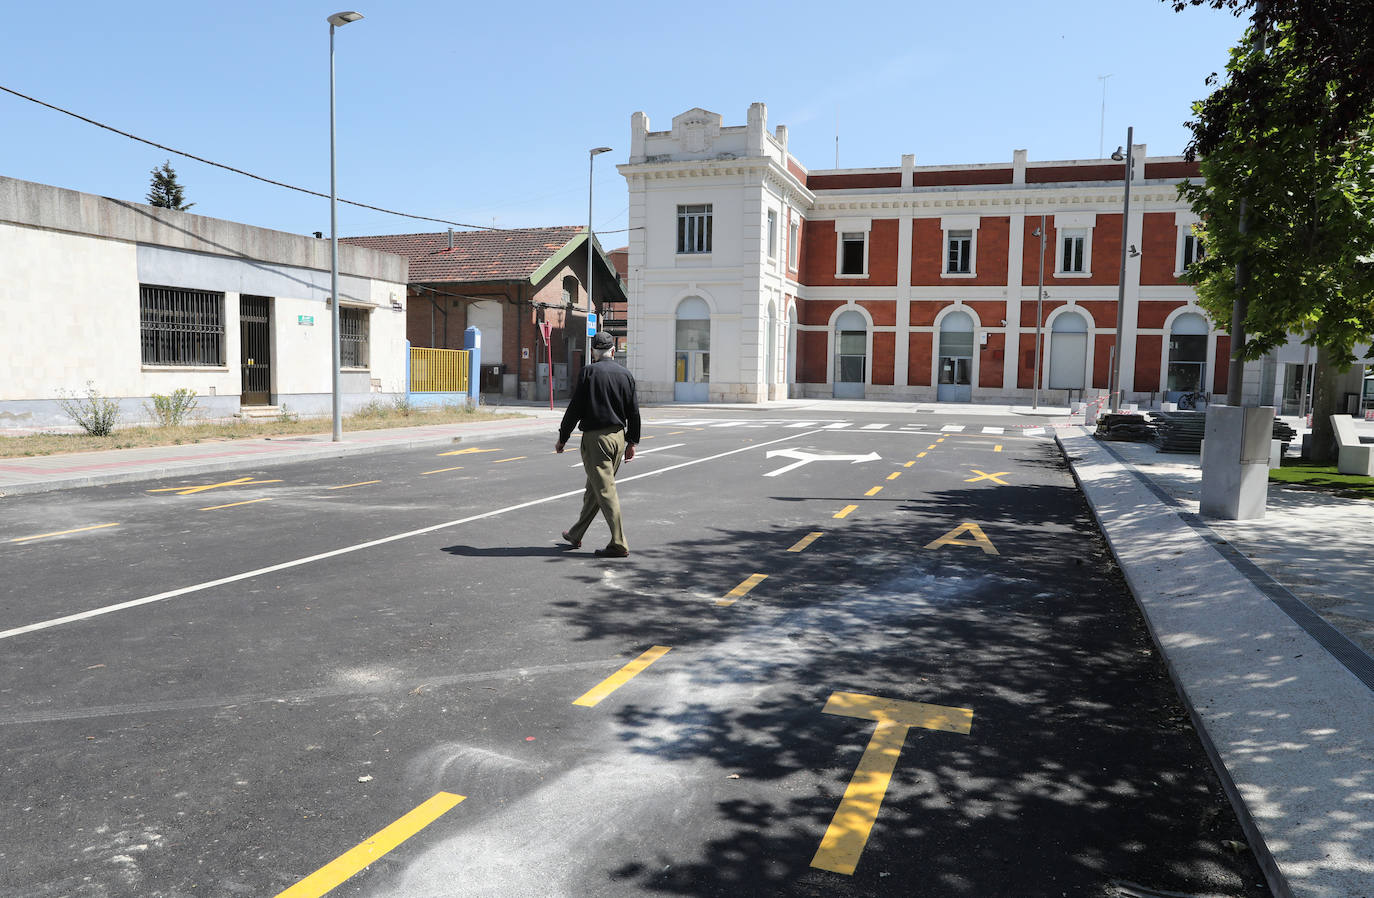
{"points": [[602, 452]]}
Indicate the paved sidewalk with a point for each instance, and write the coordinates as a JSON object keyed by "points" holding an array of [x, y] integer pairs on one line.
{"points": [[1267, 628]]}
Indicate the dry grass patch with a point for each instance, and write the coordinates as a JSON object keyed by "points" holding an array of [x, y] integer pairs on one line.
{"points": [[373, 417]]}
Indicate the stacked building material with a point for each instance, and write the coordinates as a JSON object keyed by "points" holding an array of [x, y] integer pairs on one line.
{"points": [[1179, 431], [1129, 427]]}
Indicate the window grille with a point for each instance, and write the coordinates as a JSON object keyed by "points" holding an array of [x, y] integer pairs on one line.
{"points": [[694, 229], [353, 338], [181, 327]]}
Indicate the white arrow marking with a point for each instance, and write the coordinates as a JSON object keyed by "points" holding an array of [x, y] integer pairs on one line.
{"points": [[803, 458]]}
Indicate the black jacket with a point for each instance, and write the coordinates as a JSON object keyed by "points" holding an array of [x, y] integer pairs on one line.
{"points": [[604, 397]]}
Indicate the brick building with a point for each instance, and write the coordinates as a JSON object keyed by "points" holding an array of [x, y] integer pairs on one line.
{"points": [[506, 283], [755, 278]]}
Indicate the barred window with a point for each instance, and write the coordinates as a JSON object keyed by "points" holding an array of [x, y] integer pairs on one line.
{"points": [[694, 229], [353, 337], [181, 327]]}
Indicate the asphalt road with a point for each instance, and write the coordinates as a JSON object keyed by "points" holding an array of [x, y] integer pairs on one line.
{"points": [[911, 674]]}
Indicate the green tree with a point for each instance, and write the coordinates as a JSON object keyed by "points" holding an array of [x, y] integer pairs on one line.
{"points": [[165, 192], [1288, 136]]}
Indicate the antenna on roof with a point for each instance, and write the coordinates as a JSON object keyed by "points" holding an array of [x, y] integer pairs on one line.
{"points": [[1102, 128], [837, 137]]}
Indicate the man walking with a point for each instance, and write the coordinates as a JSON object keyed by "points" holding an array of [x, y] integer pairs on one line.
{"points": [[605, 409]]}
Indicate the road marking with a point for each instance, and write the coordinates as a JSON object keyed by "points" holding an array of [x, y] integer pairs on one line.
{"points": [[21, 539], [923, 454], [940, 440], [910, 463], [358, 547], [874, 426], [979, 539], [839, 426], [441, 470], [875, 491], [638, 452], [930, 447], [232, 504], [997, 430], [186, 491], [981, 476], [468, 451], [848, 832], [742, 590], [337, 871], [952, 428], [997, 448], [591, 697], [1033, 431], [804, 457], [806, 541], [349, 485], [844, 512], [730, 424], [894, 475], [801, 425], [500, 460]]}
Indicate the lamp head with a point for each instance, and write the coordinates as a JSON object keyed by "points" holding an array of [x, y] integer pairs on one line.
{"points": [[597, 151], [1035, 233], [341, 19], [1118, 156]]}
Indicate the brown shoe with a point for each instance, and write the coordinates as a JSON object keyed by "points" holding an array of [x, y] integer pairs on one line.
{"points": [[612, 552], [575, 543]]}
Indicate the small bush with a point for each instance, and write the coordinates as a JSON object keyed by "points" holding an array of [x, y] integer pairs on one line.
{"points": [[372, 409], [173, 410], [287, 416], [96, 414], [403, 406]]}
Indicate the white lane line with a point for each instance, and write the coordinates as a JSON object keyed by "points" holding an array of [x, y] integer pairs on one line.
{"points": [[639, 452], [874, 426], [994, 430], [840, 426], [801, 425], [1033, 431], [952, 428], [346, 550], [730, 424]]}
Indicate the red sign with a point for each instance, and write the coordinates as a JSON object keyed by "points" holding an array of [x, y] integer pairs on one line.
{"points": [[546, 329]]}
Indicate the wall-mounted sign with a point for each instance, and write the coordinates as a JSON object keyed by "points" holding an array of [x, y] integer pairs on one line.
{"points": [[305, 320]]}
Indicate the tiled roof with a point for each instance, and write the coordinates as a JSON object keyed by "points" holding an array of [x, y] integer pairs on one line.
{"points": [[476, 255]]}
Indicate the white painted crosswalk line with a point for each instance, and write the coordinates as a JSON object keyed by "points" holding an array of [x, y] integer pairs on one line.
{"points": [[994, 430], [730, 424], [874, 426], [952, 428], [840, 425], [1034, 431], [801, 425]]}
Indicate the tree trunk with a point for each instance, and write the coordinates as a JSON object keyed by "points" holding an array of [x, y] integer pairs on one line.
{"points": [[1330, 384]]}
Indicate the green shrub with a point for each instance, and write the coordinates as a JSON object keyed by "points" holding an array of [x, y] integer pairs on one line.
{"points": [[402, 406], [372, 409], [96, 414], [286, 416], [172, 410]]}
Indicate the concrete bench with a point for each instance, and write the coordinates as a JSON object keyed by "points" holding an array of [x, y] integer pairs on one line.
{"points": [[1353, 457]]}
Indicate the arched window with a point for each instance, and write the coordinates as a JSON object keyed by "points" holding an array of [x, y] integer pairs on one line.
{"points": [[1068, 352], [1187, 355]]}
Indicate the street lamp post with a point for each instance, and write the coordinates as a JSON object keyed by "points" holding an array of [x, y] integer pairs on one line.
{"points": [[1115, 385], [591, 244], [339, 19], [1039, 310]]}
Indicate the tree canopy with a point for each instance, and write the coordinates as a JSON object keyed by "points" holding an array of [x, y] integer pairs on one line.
{"points": [[1289, 134], [165, 191]]}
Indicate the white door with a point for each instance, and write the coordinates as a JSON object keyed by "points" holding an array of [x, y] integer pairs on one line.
{"points": [[1068, 352]]}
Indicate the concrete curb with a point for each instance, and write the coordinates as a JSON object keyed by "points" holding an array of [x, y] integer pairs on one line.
{"points": [[1289, 730]]}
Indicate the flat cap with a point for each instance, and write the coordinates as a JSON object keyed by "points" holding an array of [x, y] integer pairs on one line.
{"points": [[602, 340]]}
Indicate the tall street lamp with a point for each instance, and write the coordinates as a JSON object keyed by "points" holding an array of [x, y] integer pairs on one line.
{"points": [[1039, 310], [338, 20], [1115, 386], [591, 243]]}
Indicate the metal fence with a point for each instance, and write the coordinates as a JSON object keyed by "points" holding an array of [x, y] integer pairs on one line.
{"points": [[438, 370]]}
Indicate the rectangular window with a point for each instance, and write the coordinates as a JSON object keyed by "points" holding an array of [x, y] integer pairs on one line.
{"points": [[1074, 248], [1193, 250], [772, 234], [694, 229], [852, 252], [353, 338], [793, 233], [959, 253], [181, 327]]}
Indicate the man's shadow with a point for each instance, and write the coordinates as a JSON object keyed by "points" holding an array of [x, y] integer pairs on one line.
{"points": [[507, 551]]}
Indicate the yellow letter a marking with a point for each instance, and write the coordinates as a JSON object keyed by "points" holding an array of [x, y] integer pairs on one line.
{"points": [[976, 538]]}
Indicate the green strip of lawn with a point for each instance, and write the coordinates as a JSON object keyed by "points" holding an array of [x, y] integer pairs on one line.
{"points": [[1323, 477]]}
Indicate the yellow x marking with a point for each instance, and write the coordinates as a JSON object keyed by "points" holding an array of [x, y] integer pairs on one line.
{"points": [[188, 490], [468, 451], [981, 476]]}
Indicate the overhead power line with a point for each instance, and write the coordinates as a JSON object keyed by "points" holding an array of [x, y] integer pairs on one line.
{"points": [[239, 171]]}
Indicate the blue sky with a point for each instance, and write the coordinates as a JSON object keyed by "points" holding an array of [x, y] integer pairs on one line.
{"points": [[483, 113]]}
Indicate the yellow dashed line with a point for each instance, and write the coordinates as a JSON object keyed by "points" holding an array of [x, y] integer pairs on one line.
{"points": [[997, 448], [894, 475], [875, 491], [594, 695], [347, 485], [501, 460], [20, 539], [742, 590], [920, 455], [232, 504], [441, 470], [844, 512], [928, 448], [806, 541], [910, 463]]}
